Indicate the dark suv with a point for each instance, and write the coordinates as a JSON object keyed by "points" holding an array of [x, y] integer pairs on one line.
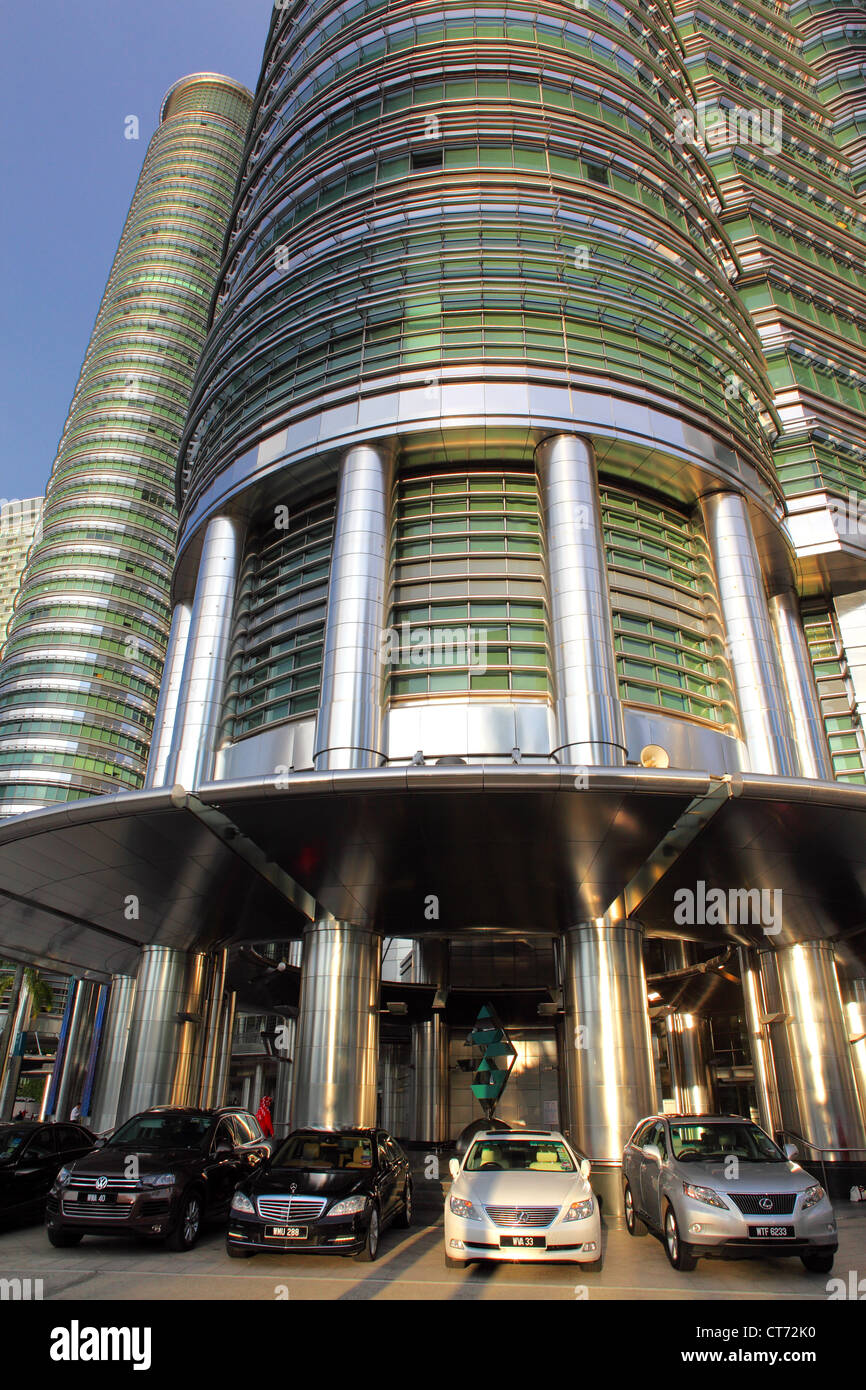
{"points": [[161, 1175]]}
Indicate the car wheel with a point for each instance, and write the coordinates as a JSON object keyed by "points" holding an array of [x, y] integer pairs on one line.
{"points": [[679, 1254], [371, 1242], [61, 1240], [451, 1263], [818, 1261], [404, 1220], [185, 1233], [633, 1223], [235, 1253]]}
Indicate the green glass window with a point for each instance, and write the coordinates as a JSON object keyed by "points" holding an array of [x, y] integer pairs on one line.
{"points": [[838, 701]]}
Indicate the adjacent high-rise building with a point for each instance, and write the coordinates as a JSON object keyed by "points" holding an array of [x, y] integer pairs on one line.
{"points": [[81, 668], [519, 593], [20, 523]]}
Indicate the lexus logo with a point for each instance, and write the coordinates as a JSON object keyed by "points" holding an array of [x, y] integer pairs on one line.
{"points": [[766, 1204], [101, 1183], [293, 1187], [523, 1218]]}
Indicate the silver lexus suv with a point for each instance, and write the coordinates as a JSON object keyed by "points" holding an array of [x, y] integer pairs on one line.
{"points": [[718, 1185]]}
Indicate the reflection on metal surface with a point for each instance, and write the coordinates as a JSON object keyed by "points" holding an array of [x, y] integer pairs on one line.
{"points": [[337, 1044], [68, 1083], [806, 720], [607, 1029], [112, 1053], [587, 703], [818, 1090], [764, 713], [169, 696], [160, 1060], [348, 732], [854, 996], [687, 1052], [199, 711]]}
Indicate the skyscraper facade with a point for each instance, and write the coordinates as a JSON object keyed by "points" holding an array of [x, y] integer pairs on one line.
{"points": [[20, 522], [81, 668], [516, 609]]}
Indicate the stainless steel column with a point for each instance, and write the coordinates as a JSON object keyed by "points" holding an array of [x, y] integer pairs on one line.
{"points": [[589, 715], [337, 1045], [854, 999], [229, 1010], [112, 1053], [608, 1031], [169, 695], [825, 1105], [164, 1047], [200, 699], [212, 1029], [20, 1005], [808, 724], [349, 726], [690, 1073], [752, 649], [763, 1063], [429, 1059], [76, 1054]]}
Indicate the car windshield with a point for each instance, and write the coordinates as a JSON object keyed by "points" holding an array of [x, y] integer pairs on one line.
{"points": [[697, 1143], [525, 1155], [325, 1153], [164, 1131], [11, 1141]]}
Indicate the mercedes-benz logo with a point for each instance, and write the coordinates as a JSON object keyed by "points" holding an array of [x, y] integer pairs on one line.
{"points": [[101, 1183], [766, 1204]]}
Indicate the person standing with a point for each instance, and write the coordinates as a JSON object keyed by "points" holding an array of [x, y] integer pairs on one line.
{"points": [[263, 1115], [76, 1113]]}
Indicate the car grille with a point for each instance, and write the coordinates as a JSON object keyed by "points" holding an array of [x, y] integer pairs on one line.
{"points": [[291, 1208], [750, 1203], [88, 1211], [114, 1183], [522, 1216]]}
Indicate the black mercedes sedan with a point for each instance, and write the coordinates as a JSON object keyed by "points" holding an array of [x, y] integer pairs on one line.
{"points": [[31, 1153], [324, 1192]]}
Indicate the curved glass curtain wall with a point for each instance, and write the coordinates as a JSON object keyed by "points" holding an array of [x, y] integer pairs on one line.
{"points": [[435, 191], [668, 631], [275, 671], [81, 668], [469, 611]]}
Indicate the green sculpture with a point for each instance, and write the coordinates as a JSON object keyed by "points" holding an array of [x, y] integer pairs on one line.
{"points": [[497, 1058]]}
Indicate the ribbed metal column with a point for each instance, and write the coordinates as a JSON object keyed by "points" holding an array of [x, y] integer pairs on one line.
{"points": [[169, 696], [349, 726], [212, 1029], [112, 1053], [752, 649], [589, 715], [808, 724], [336, 1051], [763, 1063], [822, 1103], [69, 1088], [199, 710], [229, 1010], [608, 1032], [854, 999], [21, 1007], [163, 1046]]}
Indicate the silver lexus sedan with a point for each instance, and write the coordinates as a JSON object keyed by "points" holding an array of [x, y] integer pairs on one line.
{"points": [[718, 1185]]}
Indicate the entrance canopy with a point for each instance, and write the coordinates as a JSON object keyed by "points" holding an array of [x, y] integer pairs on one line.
{"points": [[427, 850]]}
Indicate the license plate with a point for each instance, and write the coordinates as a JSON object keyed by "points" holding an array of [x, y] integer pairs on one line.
{"points": [[523, 1242], [102, 1197], [286, 1232], [771, 1232]]}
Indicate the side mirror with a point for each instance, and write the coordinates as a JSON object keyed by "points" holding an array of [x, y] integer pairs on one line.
{"points": [[454, 1166], [791, 1151], [585, 1168], [100, 1143], [652, 1151]]}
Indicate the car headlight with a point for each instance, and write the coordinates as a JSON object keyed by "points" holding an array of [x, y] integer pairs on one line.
{"points": [[240, 1202], [350, 1206], [462, 1208], [705, 1195], [812, 1196], [161, 1180], [579, 1211], [62, 1178]]}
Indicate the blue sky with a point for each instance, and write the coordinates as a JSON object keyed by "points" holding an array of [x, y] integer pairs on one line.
{"points": [[70, 72]]}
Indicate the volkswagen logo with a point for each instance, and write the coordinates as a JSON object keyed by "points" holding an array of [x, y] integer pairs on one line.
{"points": [[101, 1183], [766, 1204]]}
